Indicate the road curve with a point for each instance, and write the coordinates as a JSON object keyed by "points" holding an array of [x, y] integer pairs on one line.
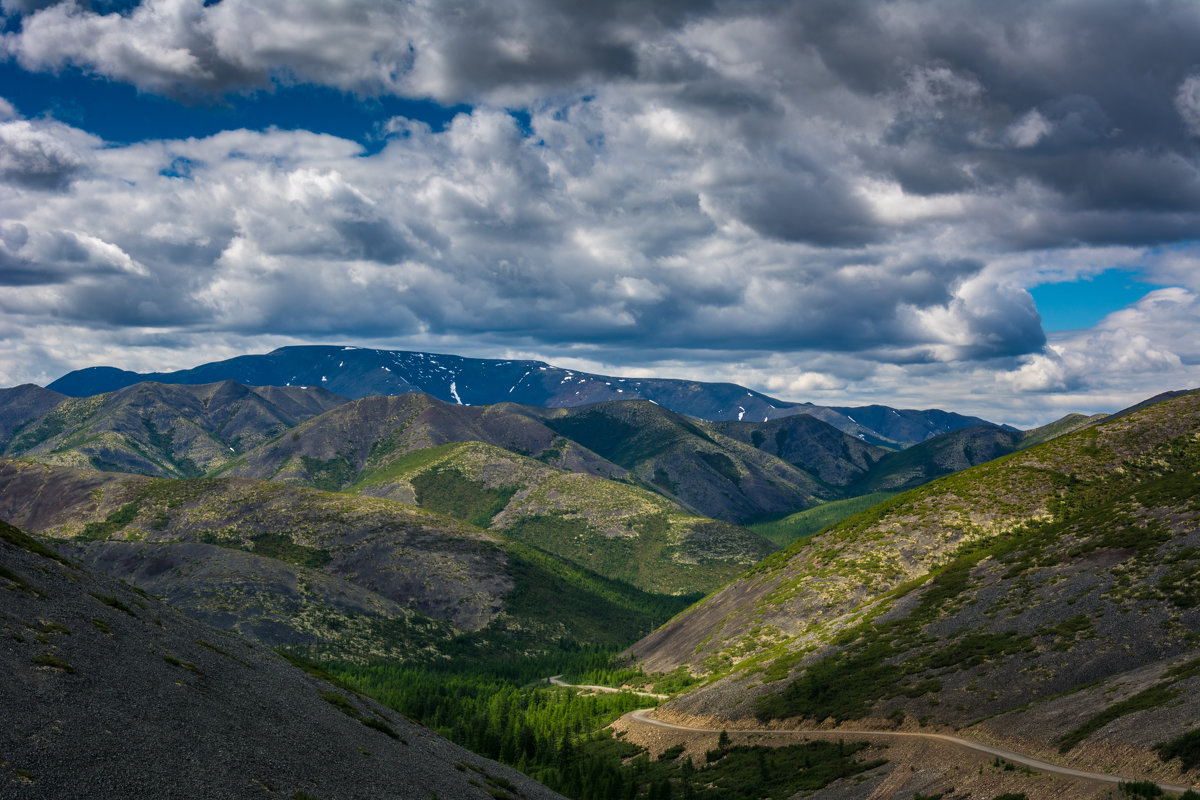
{"points": [[1016, 758], [557, 680]]}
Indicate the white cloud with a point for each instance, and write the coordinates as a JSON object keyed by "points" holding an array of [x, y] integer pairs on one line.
{"points": [[1028, 130], [1187, 102], [41, 154], [864, 193], [1151, 338]]}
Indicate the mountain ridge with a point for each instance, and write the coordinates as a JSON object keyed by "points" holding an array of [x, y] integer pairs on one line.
{"points": [[359, 372], [1050, 596]]}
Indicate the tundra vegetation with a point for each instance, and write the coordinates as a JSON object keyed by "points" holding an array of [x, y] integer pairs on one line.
{"points": [[445, 560]]}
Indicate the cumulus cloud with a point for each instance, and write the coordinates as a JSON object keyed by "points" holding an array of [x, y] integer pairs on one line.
{"points": [[1187, 101], [41, 155], [1155, 336], [370, 46], [866, 187]]}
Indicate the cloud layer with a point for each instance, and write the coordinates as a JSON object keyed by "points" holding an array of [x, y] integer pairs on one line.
{"points": [[816, 198]]}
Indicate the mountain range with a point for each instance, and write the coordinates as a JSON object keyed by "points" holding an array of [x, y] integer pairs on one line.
{"points": [[1033, 589], [360, 372]]}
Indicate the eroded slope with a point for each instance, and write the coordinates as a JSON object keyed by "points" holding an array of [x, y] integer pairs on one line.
{"points": [[1051, 597], [110, 692]]}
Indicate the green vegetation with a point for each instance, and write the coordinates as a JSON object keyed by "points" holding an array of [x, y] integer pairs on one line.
{"points": [[164, 443], [557, 736], [876, 661], [15, 579], [112, 523], [271, 545], [343, 704], [571, 604], [330, 475], [53, 661], [1186, 748], [51, 425], [18, 538], [113, 602], [175, 662], [650, 557], [1157, 695], [880, 661], [1181, 583], [613, 438], [401, 467], [813, 520], [448, 491], [1140, 789]]}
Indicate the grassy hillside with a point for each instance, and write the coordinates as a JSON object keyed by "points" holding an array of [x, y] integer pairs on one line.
{"points": [[153, 429], [612, 528], [331, 574], [1049, 596], [940, 455], [805, 523], [688, 460]]}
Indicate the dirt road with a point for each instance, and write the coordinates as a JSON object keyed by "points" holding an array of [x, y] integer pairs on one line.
{"points": [[642, 716]]}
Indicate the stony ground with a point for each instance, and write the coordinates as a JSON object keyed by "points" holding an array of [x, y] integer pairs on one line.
{"points": [[109, 693], [914, 766]]}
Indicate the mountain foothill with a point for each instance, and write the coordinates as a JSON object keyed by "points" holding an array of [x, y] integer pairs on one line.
{"points": [[257, 521]]}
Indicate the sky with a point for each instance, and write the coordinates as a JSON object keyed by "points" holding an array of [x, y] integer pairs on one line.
{"points": [[991, 208]]}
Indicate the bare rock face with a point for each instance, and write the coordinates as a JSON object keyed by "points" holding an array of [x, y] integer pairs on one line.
{"points": [[108, 692]]}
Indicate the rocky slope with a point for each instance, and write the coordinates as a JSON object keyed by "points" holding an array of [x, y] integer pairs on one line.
{"points": [[108, 692], [832, 456], [360, 372], [152, 428], [21, 405], [336, 574], [1047, 600], [941, 455]]}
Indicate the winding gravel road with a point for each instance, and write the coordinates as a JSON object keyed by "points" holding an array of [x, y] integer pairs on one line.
{"points": [[643, 717], [557, 680]]}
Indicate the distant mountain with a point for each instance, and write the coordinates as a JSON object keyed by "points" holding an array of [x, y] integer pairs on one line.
{"points": [[109, 692], [908, 425], [695, 461], [1050, 599], [713, 469], [21, 405], [831, 455], [506, 468], [941, 455], [152, 428], [359, 372]]}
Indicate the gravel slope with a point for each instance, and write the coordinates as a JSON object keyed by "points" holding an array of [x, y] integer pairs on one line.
{"points": [[110, 693]]}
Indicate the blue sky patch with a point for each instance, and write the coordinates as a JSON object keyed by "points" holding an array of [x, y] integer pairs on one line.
{"points": [[120, 114], [1073, 305]]}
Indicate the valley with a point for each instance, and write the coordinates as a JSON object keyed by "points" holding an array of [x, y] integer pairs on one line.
{"points": [[853, 614]]}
